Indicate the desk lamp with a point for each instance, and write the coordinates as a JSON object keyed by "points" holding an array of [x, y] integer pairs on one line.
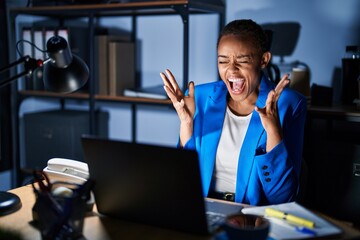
{"points": [[63, 73]]}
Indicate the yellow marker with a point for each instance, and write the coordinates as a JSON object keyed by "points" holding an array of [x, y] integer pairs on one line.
{"points": [[270, 212]]}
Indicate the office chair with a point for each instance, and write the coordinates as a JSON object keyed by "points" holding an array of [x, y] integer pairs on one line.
{"points": [[282, 40], [271, 71]]}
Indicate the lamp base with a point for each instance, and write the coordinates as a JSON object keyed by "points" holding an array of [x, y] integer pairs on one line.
{"points": [[9, 203]]}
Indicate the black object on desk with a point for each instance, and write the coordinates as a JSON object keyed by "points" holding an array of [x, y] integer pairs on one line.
{"points": [[321, 95], [9, 203], [350, 75], [60, 216]]}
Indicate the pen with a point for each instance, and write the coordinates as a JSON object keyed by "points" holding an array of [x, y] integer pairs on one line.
{"points": [[305, 230], [289, 217]]}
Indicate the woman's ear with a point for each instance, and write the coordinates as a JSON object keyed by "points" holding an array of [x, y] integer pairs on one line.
{"points": [[265, 59]]}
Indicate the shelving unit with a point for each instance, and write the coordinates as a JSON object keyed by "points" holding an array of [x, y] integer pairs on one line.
{"points": [[92, 12]]}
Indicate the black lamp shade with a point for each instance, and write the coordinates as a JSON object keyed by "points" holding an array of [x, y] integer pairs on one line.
{"points": [[68, 79], [65, 73]]}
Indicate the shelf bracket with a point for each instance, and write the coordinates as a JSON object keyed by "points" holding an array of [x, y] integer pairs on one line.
{"points": [[183, 11]]}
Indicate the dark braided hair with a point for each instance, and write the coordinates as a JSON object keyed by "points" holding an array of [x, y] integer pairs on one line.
{"points": [[247, 29]]}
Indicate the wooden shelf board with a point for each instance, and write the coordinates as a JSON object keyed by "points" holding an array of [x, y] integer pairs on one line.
{"points": [[85, 96], [131, 8]]}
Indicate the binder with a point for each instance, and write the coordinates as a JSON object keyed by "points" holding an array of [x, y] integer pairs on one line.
{"points": [[39, 53], [39, 42], [27, 50]]}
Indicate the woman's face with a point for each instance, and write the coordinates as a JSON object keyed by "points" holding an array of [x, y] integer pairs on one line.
{"points": [[240, 64]]}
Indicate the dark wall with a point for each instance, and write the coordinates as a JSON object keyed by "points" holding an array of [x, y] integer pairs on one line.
{"points": [[5, 119]]}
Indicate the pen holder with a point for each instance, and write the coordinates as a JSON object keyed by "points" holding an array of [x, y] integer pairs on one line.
{"points": [[61, 216], [247, 227]]}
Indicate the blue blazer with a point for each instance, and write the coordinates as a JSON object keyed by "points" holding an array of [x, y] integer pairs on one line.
{"points": [[262, 177]]}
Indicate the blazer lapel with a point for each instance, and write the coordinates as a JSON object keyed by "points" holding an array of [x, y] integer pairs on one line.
{"points": [[212, 126]]}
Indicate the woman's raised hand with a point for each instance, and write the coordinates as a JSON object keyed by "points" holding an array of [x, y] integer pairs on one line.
{"points": [[184, 105], [269, 114]]}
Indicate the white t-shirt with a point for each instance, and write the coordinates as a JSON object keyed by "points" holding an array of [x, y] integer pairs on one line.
{"points": [[227, 155]]}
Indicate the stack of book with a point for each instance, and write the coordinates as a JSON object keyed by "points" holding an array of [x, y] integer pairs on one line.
{"points": [[115, 61]]}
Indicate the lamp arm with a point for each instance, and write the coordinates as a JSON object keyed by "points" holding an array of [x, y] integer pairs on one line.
{"points": [[30, 64]]}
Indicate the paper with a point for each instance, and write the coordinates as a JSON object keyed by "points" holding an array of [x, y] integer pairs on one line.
{"points": [[156, 92], [282, 230]]}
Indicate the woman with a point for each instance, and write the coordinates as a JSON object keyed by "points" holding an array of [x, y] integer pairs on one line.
{"points": [[247, 131]]}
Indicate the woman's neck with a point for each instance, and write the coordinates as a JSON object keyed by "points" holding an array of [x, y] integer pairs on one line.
{"points": [[242, 108]]}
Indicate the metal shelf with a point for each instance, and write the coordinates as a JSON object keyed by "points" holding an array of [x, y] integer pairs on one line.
{"points": [[122, 9], [91, 12], [85, 96]]}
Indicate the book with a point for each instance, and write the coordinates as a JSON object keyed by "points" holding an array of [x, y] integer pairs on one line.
{"points": [[101, 61], [155, 92], [121, 67], [281, 229], [39, 53], [27, 49], [27, 36], [49, 33], [39, 42], [63, 32]]}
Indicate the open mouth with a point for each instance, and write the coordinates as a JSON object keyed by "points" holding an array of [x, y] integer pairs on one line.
{"points": [[236, 84]]}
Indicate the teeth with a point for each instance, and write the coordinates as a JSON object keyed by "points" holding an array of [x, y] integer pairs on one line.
{"points": [[235, 79]]}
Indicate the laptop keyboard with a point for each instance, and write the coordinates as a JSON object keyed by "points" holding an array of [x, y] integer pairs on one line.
{"points": [[215, 220], [216, 212]]}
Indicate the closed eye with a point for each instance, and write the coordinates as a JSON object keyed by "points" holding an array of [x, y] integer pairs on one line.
{"points": [[244, 59], [223, 62], [223, 59]]}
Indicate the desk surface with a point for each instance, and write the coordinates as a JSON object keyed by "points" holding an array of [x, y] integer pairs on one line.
{"points": [[98, 227]]}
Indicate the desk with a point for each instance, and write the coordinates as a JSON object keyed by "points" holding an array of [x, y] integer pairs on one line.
{"points": [[336, 112], [99, 227]]}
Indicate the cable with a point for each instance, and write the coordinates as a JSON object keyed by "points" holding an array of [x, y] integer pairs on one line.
{"points": [[26, 41]]}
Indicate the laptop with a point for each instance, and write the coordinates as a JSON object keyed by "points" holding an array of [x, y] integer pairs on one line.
{"points": [[149, 184]]}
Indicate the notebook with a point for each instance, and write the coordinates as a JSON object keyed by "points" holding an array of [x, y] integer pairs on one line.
{"points": [[153, 185], [283, 230]]}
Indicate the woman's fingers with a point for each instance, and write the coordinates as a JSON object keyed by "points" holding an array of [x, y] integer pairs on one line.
{"points": [[172, 89], [270, 101], [191, 89], [273, 96], [165, 80], [170, 94], [283, 82], [172, 80], [281, 85]]}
